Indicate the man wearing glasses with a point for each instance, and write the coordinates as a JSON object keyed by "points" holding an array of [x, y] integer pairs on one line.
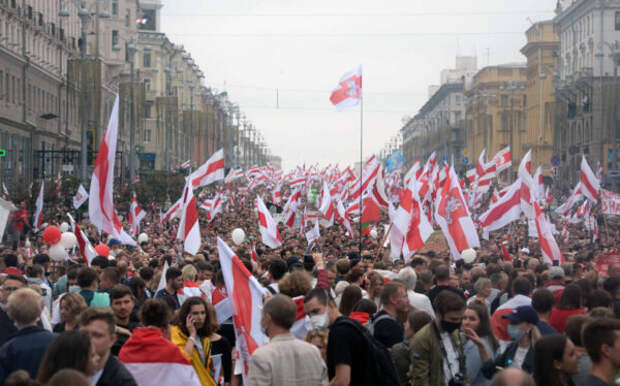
{"points": [[11, 284]]}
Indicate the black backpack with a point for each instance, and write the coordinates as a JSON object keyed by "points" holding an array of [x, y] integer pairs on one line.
{"points": [[379, 358]]}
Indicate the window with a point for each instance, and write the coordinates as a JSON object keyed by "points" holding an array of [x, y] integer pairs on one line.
{"points": [[617, 21], [115, 40], [457, 99], [147, 85], [524, 100], [146, 60], [147, 110], [147, 135], [127, 17], [504, 100], [115, 7]]}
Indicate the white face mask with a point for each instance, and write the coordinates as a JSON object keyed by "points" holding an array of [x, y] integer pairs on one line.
{"points": [[320, 322]]}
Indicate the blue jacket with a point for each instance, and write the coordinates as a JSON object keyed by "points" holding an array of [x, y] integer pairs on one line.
{"points": [[24, 351]]}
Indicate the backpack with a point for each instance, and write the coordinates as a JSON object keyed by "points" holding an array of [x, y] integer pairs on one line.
{"points": [[379, 358], [374, 320]]}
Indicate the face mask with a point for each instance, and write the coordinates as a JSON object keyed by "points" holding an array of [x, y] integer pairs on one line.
{"points": [[450, 326], [515, 332], [74, 288], [320, 322]]}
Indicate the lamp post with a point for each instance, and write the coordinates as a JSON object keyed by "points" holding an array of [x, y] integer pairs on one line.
{"points": [[131, 51]]}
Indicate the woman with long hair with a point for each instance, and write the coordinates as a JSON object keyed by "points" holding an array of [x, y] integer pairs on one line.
{"points": [[477, 319], [191, 334], [350, 296], [71, 350], [71, 305], [556, 361], [571, 303]]}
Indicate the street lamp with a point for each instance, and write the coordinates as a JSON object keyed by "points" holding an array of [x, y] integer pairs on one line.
{"points": [[85, 17]]}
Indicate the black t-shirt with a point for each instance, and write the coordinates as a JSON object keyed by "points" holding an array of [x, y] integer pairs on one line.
{"points": [[345, 345], [122, 338], [438, 288], [388, 331], [222, 347]]}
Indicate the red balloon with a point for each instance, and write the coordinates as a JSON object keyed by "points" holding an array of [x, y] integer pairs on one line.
{"points": [[52, 235], [102, 250]]}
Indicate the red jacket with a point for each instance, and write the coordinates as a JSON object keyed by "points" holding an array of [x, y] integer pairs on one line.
{"points": [[559, 317]]}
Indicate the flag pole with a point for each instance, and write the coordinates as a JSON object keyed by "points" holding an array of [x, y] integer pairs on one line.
{"points": [[361, 161]]}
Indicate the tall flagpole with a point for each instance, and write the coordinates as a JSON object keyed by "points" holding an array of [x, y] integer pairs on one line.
{"points": [[361, 156]]}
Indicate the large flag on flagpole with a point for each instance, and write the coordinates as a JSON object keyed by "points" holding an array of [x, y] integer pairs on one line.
{"points": [[39, 208], [136, 214], [210, 171], [348, 93], [590, 184], [268, 229], [247, 300], [87, 251], [189, 230], [80, 197], [101, 211]]}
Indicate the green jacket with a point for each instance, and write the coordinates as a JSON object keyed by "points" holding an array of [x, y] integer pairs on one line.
{"points": [[401, 355], [427, 357]]}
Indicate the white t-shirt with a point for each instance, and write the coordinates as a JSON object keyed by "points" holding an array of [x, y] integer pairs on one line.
{"points": [[452, 358], [520, 356]]}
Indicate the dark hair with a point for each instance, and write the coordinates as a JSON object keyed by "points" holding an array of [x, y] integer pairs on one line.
{"points": [[113, 274], [390, 289], [448, 301], [136, 284], [69, 350], [100, 261], [10, 260], [597, 333], [418, 319], [119, 291], [367, 306], [484, 328], [282, 310], [522, 286], [99, 313], [354, 274], [547, 350], [571, 298], [611, 285], [69, 377], [72, 272], [574, 327], [321, 294], [34, 270], [41, 258], [599, 298], [350, 296], [207, 328], [277, 269], [172, 273], [155, 312], [146, 273], [442, 273], [543, 300], [86, 277]]}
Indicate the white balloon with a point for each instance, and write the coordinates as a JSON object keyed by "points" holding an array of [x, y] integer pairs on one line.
{"points": [[68, 240], [468, 255], [57, 252], [373, 233], [238, 236], [143, 238], [64, 227]]}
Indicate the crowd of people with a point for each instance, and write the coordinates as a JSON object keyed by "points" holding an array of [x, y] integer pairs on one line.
{"points": [[156, 315]]}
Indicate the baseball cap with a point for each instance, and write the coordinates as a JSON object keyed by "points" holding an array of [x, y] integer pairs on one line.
{"points": [[556, 273], [522, 314]]}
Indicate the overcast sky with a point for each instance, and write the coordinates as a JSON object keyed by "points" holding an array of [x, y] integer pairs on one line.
{"points": [[251, 48]]}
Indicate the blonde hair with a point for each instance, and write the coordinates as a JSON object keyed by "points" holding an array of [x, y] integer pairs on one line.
{"points": [[75, 302], [24, 306], [189, 273]]}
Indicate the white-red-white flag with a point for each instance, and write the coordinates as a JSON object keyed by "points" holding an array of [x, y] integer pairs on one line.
{"points": [[5, 192], [80, 197], [313, 234], [378, 190], [136, 214], [342, 214], [504, 211], [186, 164], [590, 184], [38, 209], [189, 230], [101, 211], [485, 171], [503, 159], [246, 294], [574, 197], [454, 219], [549, 247], [539, 185], [290, 209], [172, 212], [268, 229], [210, 171], [527, 185], [369, 173], [87, 251], [276, 195], [414, 172], [348, 93], [327, 206], [410, 222]]}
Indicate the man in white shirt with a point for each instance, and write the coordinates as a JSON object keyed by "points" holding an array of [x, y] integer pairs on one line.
{"points": [[418, 301]]}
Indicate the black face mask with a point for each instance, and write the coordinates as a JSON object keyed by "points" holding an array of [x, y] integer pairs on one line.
{"points": [[450, 326]]}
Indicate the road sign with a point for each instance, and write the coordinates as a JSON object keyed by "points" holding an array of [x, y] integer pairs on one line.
{"points": [[2, 153], [465, 160], [555, 160]]}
